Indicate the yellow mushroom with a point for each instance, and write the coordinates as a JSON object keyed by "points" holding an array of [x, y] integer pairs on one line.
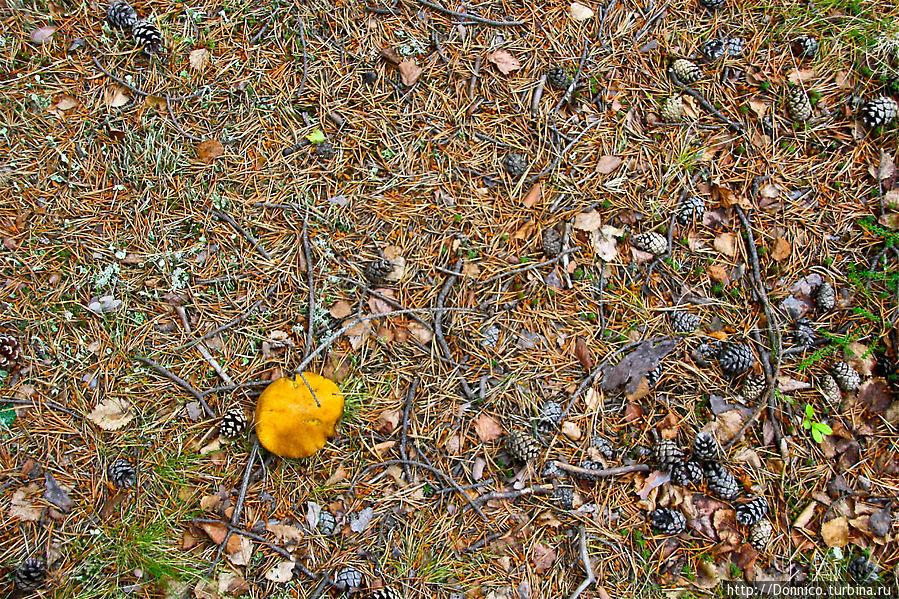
{"points": [[289, 421]]}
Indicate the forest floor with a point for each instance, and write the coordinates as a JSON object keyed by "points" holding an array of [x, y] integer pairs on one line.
{"points": [[183, 228]]}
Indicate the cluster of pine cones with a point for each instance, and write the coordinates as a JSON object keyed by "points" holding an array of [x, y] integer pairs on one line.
{"points": [[704, 464], [147, 36]]}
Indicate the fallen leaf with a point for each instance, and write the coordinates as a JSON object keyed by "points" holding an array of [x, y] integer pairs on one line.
{"points": [[205, 590], [244, 553], [875, 395], [388, 421], [198, 59], [631, 369], [588, 221], [409, 72], [488, 428], [758, 107], [582, 353], [281, 572], [379, 306], [797, 76], [111, 414], [532, 197], [361, 521], [654, 480], [724, 243], [718, 274], [285, 532], [781, 250], [891, 199], [115, 96], [543, 557], [606, 164], [505, 62], [21, 507], [571, 430], [65, 102], [340, 309], [835, 533], [887, 166], [880, 522], [42, 35], [209, 149], [422, 333], [579, 12], [55, 494], [726, 426]]}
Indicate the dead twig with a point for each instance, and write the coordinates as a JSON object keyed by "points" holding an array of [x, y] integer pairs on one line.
{"points": [[438, 326], [404, 438], [732, 125], [43, 403], [591, 474], [204, 351], [650, 22], [469, 17], [179, 381], [225, 217], [588, 567], [238, 507], [235, 321], [515, 493], [310, 288], [518, 271]]}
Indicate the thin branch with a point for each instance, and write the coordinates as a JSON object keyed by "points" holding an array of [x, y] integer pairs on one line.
{"points": [[734, 126], [588, 567], [305, 59], [533, 266], [225, 217], [310, 284], [43, 403], [179, 381], [650, 22], [593, 474], [564, 151], [469, 17], [143, 93], [404, 438], [235, 321], [204, 351], [515, 493]]}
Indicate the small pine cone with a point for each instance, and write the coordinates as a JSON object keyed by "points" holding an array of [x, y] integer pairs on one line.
{"points": [[735, 359], [829, 388], [691, 209], [9, 350], [515, 164], [712, 5], [685, 71], [522, 445], [806, 46], [324, 150], [721, 481], [667, 455], [564, 496], [384, 593], [122, 474], [861, 569], [705, 448], [653, 376], [348, 579], [798, 105], [879, 111], [825, 298], [550, 416], [148, 36], [551, 243], [690, 473], [557, 78], [121, 15], [753, 387], [667, 521], [846, 377], [703, 354], [234, 422], [734, 46], [803, 332], [672, 109], [713, 49], [377, 270], [760, 534], [684, 322], [603, 445], [327, 523], [650, 242], [751, 512], [30, 574]]}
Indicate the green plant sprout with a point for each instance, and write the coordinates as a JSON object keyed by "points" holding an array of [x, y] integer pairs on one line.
{"points": [[819, 429]]}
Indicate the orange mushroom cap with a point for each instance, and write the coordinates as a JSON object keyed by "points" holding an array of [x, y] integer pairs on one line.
{"points": [[290, 423]]}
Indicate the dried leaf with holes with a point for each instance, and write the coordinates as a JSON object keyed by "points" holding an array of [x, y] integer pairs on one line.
{"points": [[111, 414]]}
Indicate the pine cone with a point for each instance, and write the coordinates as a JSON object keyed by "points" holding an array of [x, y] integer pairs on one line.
{"points": [[564, 495], [522, 446], [557, 78], [711, 5], [672, 109], [691, 209], [603, 445], [10, 349], [121, 15], [753, 387], [653, 376], [550, 416], [760, 534], [721, 482], [803, 332], [846, 377], [825, 298], [685, 71], [122, 473], [861, 569], [703, 354], [734, 46], [324, 150], [829, 388], [667, 455], [348, 579], [688, 474], [734, 359], [234, 422], [30, 574], [668, 522], [798, 105], [684, 322], [551, 243], [327, 523], [377, 270], [751, 512], [806, 46], [515, 164], [650, 242], [148, 37], [713, 49], [879, 111], [705, 448], [384, 593]]}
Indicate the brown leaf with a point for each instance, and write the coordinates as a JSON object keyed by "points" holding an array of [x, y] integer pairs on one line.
{"points": [[835, 533], [580, 12], [21, 506], [725, 426], [340, 309], [111, 414], [198, 59], [505, 62], [606, 164], [718, 274], [281, 572], [875, 395], [379, 306], [654, 480], [42, 35], [582, 353], [781, 250], [409, 72], [588, 221], [532, 197], [487, 428], [797, 76], [543, 557], [209, 149], [115, 96], [285, 532], [388, 421], [724, 243]]}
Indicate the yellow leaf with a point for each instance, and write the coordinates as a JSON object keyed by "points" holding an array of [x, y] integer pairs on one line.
{"points": [[835, 533], [111, 414], [198, 59]]}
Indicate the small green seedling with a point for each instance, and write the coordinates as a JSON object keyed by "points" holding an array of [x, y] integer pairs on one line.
{"points": [[819, 429]]}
